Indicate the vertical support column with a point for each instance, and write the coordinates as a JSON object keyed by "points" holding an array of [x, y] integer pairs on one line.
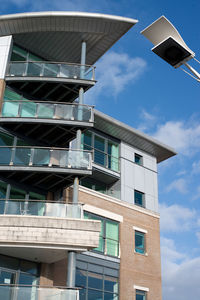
{"points": [[71, 269]]}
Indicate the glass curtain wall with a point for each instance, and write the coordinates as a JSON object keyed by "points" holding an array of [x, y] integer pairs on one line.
{"points": [[15, 271], [98, 284]]}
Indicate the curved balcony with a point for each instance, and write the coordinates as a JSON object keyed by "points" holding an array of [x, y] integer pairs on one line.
{"points": [[43, 231], [57, 122], [43, 167], [33, 292], [50, 80]]}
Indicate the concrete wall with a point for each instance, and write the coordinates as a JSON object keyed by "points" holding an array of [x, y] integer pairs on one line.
{"points": [[135, 177]]}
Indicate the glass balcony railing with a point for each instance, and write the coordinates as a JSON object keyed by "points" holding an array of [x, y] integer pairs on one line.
{"points": [[40, 208], [26, 292], [45, 157], [51, 69], [47, 110]]}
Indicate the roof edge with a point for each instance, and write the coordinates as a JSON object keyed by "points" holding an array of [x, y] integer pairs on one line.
{"points": [[135, 131], [67, 14]]}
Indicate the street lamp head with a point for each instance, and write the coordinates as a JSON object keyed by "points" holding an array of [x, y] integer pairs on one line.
{"points": [[168, 43]]}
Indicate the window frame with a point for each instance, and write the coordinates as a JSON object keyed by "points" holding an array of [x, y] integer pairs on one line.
{"points": [[107, 156], [104, 237], [140, 293], [143, 198], [140, 161], [139, 250]]}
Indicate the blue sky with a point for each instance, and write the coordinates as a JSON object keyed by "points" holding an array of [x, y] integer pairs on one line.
{"points": [[140, 89]]}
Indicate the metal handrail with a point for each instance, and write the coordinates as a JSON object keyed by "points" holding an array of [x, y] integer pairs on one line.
{"points": [[44, 201], [50, 148], [52, 62], [51, 102], [40, 286]]}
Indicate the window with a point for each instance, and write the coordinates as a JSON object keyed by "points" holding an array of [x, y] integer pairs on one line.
{"points": [[140, 242], [106, 152], [139, 198], [96, 285], [109, 235], [138, 159], [140, 295]]}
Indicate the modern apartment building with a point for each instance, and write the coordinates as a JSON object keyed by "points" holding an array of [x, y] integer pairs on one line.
{"points": [[78, 189]]}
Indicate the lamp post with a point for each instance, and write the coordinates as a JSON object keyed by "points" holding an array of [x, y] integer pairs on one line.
{"points": [[169, 45]]}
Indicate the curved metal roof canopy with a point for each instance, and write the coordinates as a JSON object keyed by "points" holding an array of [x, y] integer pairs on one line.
{"points": [[57, 36]]}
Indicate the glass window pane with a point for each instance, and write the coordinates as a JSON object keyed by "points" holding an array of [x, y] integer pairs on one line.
{"points": [[41, 157], [99, 158], [14, 207], [99, 143], [138, 159], [111, 284], [11, 95], [112, 247], [109, 296], [28, 267], [28, 109], [139, 198], [5, 139], [34, 69], [112, 230], [95, 295], [16, 193], [81, 278], [82, 294], [22, 156], [20, 52], [5, 156], [36, 196], [32, 57], [140, 295], [87, 138], [45, 110], [10, 109], [139, 242], [95, 280], [3, 189]]}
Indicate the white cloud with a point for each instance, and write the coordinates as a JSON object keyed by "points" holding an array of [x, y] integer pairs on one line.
{"points": [[179, 185], [180, 274], [148, 121], [176, 218], [185, 138], [114, 72]]}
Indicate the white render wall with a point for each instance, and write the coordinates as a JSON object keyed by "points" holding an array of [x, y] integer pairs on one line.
{"points": [[5, 52], [135, 177]]}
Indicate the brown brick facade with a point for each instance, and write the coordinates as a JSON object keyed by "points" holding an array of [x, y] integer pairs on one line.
{"points": [[135, 269]]}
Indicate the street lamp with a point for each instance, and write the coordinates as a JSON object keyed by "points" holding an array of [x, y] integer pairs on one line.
{"points": [[169, 45]]}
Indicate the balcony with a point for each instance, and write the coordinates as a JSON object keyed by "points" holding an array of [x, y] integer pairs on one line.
{"points": [[34, 292], [40, 208], [50, 80], [44, 231], [43, 167], [56, 122]]}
